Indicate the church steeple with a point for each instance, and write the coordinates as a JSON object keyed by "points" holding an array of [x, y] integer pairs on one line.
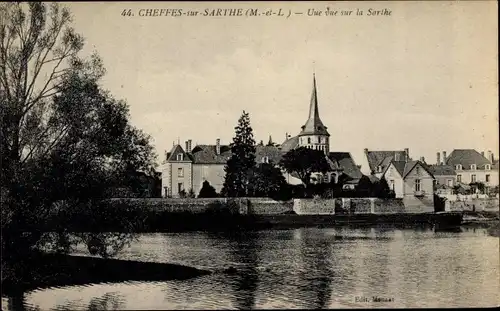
{"points": [[313, 125]]}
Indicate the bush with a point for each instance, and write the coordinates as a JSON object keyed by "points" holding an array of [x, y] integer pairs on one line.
{"points": [[207, 191]]}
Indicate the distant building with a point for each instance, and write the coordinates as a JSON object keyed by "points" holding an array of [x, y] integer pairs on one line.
{"points": [[471, 166], [375, 162], [445, 176], [413, 182], [314, 135], [187, 168]]}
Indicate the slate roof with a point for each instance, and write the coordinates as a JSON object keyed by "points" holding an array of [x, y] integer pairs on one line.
{"points": [[400, 167], [206, 154], [345, 161], [272, 152], [405, 167], [382, 158], [290, 144], [467, 157], [314, 125], [442, 170]]}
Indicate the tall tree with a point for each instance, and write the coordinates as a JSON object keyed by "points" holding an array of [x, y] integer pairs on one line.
{"points": [[304, 161], [239, 167], [62, 136]]}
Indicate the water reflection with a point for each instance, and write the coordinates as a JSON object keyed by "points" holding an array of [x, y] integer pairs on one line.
{"points": [[302, 268]]}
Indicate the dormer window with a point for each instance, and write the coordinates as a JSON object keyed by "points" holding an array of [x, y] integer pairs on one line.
{"points": [[487, 167], [265, 159], [180, 157], [458, 167], [379, 169], [473, 167]]}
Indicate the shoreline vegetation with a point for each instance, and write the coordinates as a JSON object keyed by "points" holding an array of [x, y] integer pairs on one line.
{"points": [[49, 270]]}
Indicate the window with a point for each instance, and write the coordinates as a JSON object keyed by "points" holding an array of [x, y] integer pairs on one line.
{"points": [[326, 179], [180, 187], [308, 140], [450, 183], [487, 177], [459, 178], [473, 167], [391, 184], [473, 178], [487, 167], [319, 140], [265, 159], [379, 168], [180, 157], [180, 172], [418, 170], [458, 167], [417, 185]]}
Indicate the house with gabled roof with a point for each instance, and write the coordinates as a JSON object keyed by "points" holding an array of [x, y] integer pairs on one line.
{"points": [[472, 166], [187, 168], [413, 182], [375, 162], [444, 178]]}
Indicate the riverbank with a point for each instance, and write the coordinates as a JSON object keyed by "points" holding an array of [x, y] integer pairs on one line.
{"points": [[42, 270]]}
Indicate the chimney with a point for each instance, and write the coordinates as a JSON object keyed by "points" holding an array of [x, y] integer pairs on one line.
{"points": [[490, 156], [482, 153], [444, 157], [187, 146], [407, 154], [422, 159], [366, 150], [190, 145], [438, 161], [396, 156], [217, 146]]}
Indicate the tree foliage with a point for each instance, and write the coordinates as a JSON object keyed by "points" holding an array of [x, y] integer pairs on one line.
{"points": [[63, 138], [239, 167], [304, 161], [207, 191], [267, 181]]}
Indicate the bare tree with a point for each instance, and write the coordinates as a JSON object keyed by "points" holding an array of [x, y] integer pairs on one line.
{"points": [[38, 50]]}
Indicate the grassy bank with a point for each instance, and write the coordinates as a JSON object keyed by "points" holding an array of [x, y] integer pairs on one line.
{"points": [[41, 270]]}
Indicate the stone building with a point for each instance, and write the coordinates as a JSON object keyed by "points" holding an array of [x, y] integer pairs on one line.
{"points": [[187, 168], [413, 182], [473, 167]]}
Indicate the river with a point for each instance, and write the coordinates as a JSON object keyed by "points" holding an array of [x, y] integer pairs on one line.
{"points": [[300, 268]]}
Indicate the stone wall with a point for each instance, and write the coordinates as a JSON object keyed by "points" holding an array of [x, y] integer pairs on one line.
{"points": [[469, 205], [361, 206], [350, 205], [258, 206], [314, 206], [265, 206], [389, 206]]}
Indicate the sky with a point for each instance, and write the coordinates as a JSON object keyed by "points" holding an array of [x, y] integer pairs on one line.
{"points": [[423, 78]]}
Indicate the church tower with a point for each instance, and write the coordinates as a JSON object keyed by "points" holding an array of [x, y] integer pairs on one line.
{"points": [[314, 134]]}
